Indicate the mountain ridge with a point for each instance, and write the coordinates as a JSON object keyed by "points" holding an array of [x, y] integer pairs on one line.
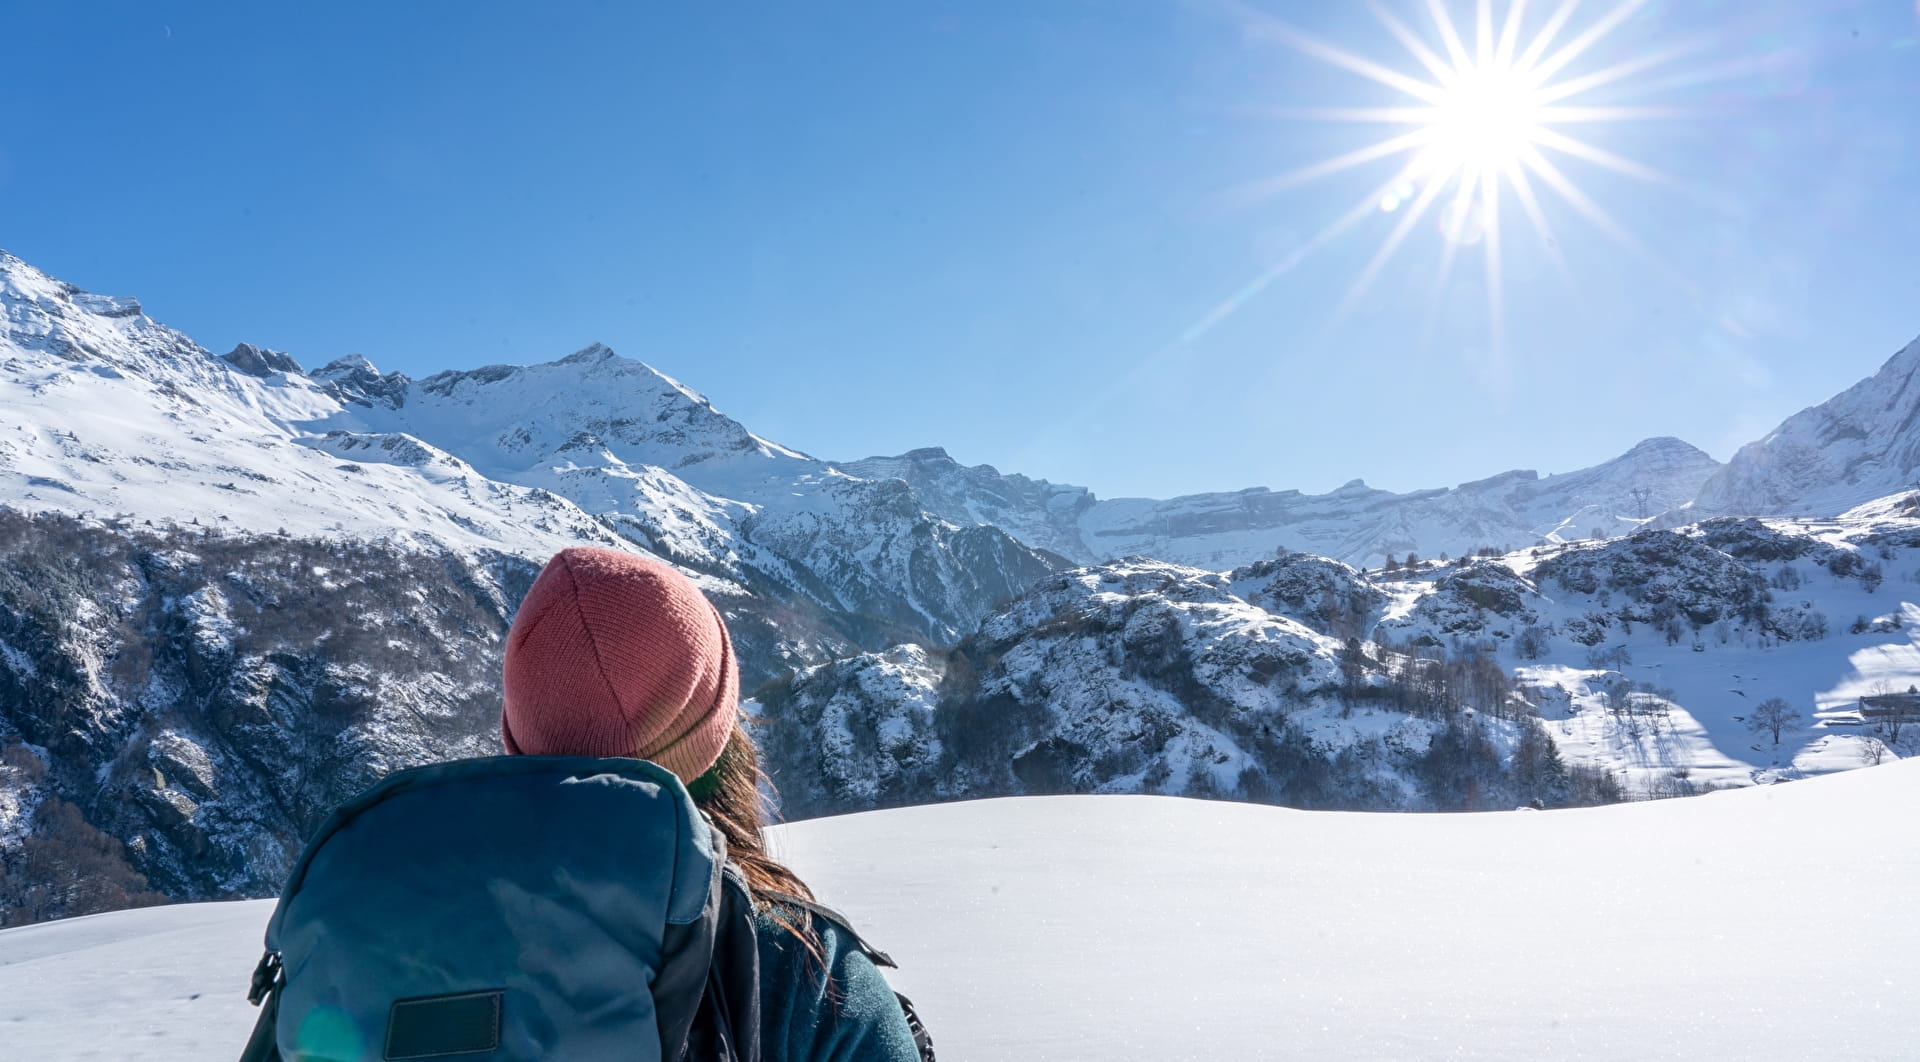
{"points": [[618, 450], [118, 413], [176, 524], [1356, 523], [1859, 445]]}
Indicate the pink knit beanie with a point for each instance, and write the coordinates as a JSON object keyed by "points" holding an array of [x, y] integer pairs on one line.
{"points": [[614, 654]]}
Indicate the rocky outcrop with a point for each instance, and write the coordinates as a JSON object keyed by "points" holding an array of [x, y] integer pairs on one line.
{"points": [[255, 361]]}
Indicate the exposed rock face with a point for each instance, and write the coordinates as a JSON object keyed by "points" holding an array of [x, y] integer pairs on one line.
{"points": [[1661, 576], [1325, 595], [257, 362], [354, 380], [1041, 514], [206, 700], [1482, 600], [1141, 676]]}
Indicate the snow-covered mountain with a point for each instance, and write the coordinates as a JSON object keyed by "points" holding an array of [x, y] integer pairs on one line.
{"points": [[110, 412], [179, 709], [1355, 523], [113, 413], [1039, 513], [1862, 444], [1760, 925], [1567, 674], [211, 562], [215, 567]]}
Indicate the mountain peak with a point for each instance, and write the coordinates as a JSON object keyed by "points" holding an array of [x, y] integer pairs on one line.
{"points": [[1665, 445], [352, 363], [355, 379], [256, 361], [600, 356], [593, 352]]}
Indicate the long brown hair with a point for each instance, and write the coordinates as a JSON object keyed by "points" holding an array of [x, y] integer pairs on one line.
{"points": [[734, 797]]}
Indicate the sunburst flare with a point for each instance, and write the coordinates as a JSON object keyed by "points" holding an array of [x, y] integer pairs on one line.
{"points": [[1486, 124]]}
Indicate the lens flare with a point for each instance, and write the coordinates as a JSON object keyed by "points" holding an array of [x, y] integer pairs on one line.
{"points": [[1485, 120]]}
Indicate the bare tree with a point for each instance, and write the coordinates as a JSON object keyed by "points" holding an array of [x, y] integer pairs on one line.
{"points": [[1531, 642], [1773, 716], [1894, 711]]}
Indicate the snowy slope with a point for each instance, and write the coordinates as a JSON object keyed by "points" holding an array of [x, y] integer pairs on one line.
{"points": [[1765, 924], [110, 412], [1355, 523], [1862, 444], [1647, 655], [1301, 681], [657, 461], [113, 413]]}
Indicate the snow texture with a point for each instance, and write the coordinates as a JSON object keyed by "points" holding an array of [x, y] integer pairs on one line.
{"points": [[1765, 924]]}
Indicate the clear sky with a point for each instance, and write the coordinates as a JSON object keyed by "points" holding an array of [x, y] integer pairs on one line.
{"points": [[1031, 231]]}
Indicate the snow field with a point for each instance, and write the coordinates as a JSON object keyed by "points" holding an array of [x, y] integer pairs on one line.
{"points": [[1771, 923]]}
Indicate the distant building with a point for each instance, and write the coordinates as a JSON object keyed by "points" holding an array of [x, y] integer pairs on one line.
{"points": [[1881, 706]]}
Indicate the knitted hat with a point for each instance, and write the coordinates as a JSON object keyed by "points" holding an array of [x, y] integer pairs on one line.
{"points": [[614, 654]]}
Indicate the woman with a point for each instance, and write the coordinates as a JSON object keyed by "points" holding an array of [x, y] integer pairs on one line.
{"points": [[613, 654]]}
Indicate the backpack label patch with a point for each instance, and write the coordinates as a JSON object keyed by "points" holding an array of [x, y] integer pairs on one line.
{"points": [[442, 1026]]}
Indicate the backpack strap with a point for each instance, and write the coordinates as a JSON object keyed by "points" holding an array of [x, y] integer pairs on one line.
{"points": [[922, 1040], [265, 994], [727, 1025], [873, 954]]}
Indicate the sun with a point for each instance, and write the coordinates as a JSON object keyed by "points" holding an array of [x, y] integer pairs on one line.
{"points": [[1486, 121], [1483, 132]]}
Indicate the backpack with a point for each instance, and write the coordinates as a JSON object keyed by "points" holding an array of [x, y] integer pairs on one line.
{"points": [[504, 908]]}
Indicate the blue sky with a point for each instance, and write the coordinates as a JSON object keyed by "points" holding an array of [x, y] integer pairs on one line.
{"points": [[1007, 228]]}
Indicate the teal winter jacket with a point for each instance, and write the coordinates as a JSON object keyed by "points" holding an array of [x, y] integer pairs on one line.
{"points": [[848, 1015]]}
